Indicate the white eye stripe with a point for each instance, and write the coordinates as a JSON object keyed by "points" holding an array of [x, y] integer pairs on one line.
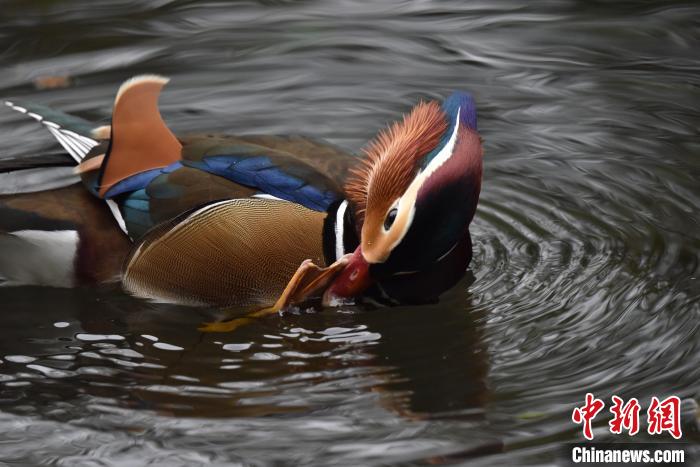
{"points": [[408, 200], [444, 154]]}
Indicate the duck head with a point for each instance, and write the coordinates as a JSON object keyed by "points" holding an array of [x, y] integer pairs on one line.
{"points": [[414, 195]]}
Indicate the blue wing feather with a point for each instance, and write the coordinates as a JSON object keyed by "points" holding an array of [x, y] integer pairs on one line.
{"points": [[136, 211], [140, 180], [261, 172], [283, 178]]}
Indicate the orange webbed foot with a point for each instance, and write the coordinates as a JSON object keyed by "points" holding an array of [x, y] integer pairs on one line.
{"points": [[306, 281]]}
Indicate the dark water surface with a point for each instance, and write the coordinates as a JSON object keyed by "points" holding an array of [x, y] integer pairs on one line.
{"points": [[587, 238]]}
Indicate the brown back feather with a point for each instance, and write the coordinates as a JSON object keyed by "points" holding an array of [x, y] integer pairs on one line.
{"points": [[392, 158]]}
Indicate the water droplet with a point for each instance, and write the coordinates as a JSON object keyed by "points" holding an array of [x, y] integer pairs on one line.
{"points": [[99, 337], [19, 358], [237, 347], [166, 346]]}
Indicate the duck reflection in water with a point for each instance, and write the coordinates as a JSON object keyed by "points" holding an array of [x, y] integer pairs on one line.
{"points": [[421, 361]]}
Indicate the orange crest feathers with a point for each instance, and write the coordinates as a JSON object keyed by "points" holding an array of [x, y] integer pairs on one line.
{"points": [[392, 158]]}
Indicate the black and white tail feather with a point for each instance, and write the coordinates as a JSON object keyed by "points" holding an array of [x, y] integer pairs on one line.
{"points": [[48, 176], [78, 146]]}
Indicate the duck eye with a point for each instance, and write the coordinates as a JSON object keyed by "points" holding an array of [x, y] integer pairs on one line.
{"points": [[390, 218]]}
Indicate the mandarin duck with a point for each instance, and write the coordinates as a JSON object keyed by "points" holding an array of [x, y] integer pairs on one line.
{"points": [[256, 222]]}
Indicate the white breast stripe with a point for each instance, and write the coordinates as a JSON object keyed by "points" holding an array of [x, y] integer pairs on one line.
{"points": [[340, 230], [117, 215]]}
